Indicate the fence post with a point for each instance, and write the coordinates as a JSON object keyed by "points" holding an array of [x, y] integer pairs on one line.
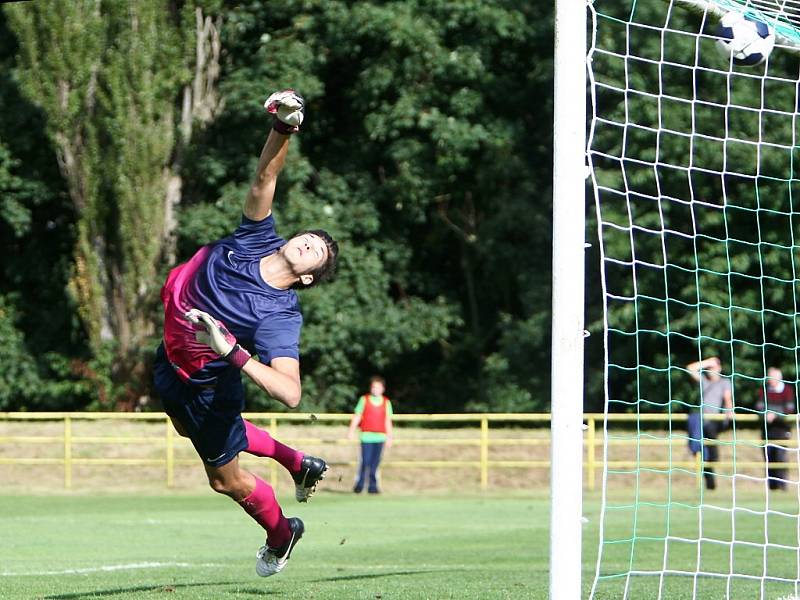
{"points": [[273, 467], [698, 459], [170, 454], [590, 449], [67, 451], [484, 453]]}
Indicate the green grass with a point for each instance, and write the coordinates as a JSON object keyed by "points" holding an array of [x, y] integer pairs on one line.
{"points": [[390, 547], [355, 547], [635, 535]]}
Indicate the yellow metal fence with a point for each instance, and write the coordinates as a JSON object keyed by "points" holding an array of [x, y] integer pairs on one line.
{"points": [[271, 422], [594, 437]]}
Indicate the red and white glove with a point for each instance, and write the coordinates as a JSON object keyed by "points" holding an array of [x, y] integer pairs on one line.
{"points": [[288, 107], [218, 338]]}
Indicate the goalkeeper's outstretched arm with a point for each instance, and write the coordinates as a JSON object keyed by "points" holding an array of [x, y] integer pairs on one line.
{"points": [[258, 205], [287, 107]]}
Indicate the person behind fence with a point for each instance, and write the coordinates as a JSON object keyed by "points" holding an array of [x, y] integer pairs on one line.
{"points": [[716, 398], [373, 415], [776, 428], [233, 297]]}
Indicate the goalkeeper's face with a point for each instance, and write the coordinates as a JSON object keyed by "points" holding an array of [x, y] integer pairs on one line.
{"points": [[305, 253], [311, 255]]}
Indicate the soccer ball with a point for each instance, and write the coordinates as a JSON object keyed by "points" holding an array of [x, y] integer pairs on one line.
{"points": [[748, 40]]}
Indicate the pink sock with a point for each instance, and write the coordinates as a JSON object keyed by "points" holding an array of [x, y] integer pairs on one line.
{"points": [[264, 508], [261, 443]]}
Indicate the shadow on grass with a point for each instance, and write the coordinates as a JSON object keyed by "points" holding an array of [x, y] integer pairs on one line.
{"points": [[141, 588], [259, 591], [374, 575]]}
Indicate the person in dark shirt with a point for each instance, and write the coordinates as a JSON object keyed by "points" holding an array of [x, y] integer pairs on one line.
{"points": [[776, 402], [236, 297]]}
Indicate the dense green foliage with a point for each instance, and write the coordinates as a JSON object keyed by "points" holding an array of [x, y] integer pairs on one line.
{"points": [[426, 152], [104, 76]]}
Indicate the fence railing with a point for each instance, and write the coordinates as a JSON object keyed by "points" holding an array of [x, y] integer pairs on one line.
{"points": [[69, 440], [677, 421], [594, 437]]}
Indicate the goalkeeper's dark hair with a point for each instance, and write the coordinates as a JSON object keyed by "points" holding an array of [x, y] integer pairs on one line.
{"points": [[325, 271]]}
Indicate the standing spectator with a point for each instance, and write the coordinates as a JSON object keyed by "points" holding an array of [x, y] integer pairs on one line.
{"points": [[779, 403], [716, 397], [373, 415]]}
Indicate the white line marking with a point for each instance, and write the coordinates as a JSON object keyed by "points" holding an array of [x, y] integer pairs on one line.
{"points": [[105, 568]]}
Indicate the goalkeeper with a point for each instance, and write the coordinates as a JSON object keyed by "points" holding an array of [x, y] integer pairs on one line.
{"points": [[233, 297]]}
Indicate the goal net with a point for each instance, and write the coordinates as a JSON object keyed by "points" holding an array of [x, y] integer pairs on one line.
{"points": [[694, 168]]}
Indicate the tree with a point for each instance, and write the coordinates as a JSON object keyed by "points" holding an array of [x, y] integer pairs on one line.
{"points": [[38, 325], [424, 152], [107, 75], [708, 243]]}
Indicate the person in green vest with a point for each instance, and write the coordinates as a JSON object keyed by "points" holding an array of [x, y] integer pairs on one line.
{"points": [[373, 415]]}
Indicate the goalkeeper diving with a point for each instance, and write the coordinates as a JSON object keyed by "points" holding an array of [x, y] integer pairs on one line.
{"points": [[234, 298]]}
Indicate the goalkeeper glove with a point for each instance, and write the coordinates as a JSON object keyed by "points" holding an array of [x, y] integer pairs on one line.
{"points": [[217, 336], [289, 108]]}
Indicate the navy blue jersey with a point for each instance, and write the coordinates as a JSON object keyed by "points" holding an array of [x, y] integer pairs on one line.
{"points": [[224, 280]]}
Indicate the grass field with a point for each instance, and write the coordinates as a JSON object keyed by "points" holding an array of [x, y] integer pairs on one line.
{"points": [[391, 547], [635, 541], [355, 547]]}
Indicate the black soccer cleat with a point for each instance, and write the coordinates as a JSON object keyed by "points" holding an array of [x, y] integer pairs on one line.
{"points": [[270, 561], [312, 471]]}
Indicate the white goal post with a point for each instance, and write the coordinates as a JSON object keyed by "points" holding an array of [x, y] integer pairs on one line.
{"points": [[569, 169]]}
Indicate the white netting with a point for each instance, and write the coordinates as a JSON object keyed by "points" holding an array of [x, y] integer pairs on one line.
{"points": [[696, 189], [783, 15]]}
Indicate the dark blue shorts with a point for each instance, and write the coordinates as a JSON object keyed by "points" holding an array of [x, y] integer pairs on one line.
{"points": [[210, 414]]}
